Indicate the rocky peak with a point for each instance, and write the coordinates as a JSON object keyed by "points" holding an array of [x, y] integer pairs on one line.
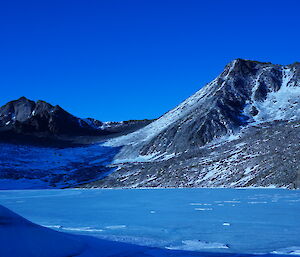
{"points": [[26, 116], [246, 91], [26, 121], [18, 110]]}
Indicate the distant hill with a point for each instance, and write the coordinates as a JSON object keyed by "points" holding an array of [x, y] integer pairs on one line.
{"points": [[26, 121]]}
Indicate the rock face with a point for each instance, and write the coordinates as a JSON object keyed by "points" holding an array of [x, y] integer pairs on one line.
{"points": [[257, 102], [26, 116], [26, 119]]}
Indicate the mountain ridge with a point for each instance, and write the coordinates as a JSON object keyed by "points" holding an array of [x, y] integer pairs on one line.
{"points": [[231, 96], [247, 98], [26, 121], [230, 133]]}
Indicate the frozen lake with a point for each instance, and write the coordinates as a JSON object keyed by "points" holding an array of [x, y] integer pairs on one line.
{"points": [[217, 220]]}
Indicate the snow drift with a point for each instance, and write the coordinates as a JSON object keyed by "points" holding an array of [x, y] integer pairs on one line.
{"points": [[21, 238]]}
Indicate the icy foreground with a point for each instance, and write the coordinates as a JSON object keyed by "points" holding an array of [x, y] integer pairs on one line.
{"points": [[21, 238], [173, 222]]}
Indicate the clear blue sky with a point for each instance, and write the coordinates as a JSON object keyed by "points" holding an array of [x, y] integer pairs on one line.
{"points": [[119, 60]]}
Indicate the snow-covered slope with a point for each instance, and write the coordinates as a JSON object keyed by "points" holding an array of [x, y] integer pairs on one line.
{"points": [[283, 104], [245, 91], [32, 167], [242, 129], [264, 155]]}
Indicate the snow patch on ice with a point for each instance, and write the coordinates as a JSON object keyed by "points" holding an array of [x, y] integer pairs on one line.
{"points": [[53, 226], [206, 204], [116, 227], [203, 209], [82, 229], [226, 224], [257, 202], [197, 245], [294, 250]]}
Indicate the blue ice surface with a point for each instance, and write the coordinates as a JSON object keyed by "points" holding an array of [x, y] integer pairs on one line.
{"points": [[216, 221], [37, 167]]}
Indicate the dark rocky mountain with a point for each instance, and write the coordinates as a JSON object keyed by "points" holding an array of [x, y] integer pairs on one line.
{"points": [[24, 120], [26, 116]]}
